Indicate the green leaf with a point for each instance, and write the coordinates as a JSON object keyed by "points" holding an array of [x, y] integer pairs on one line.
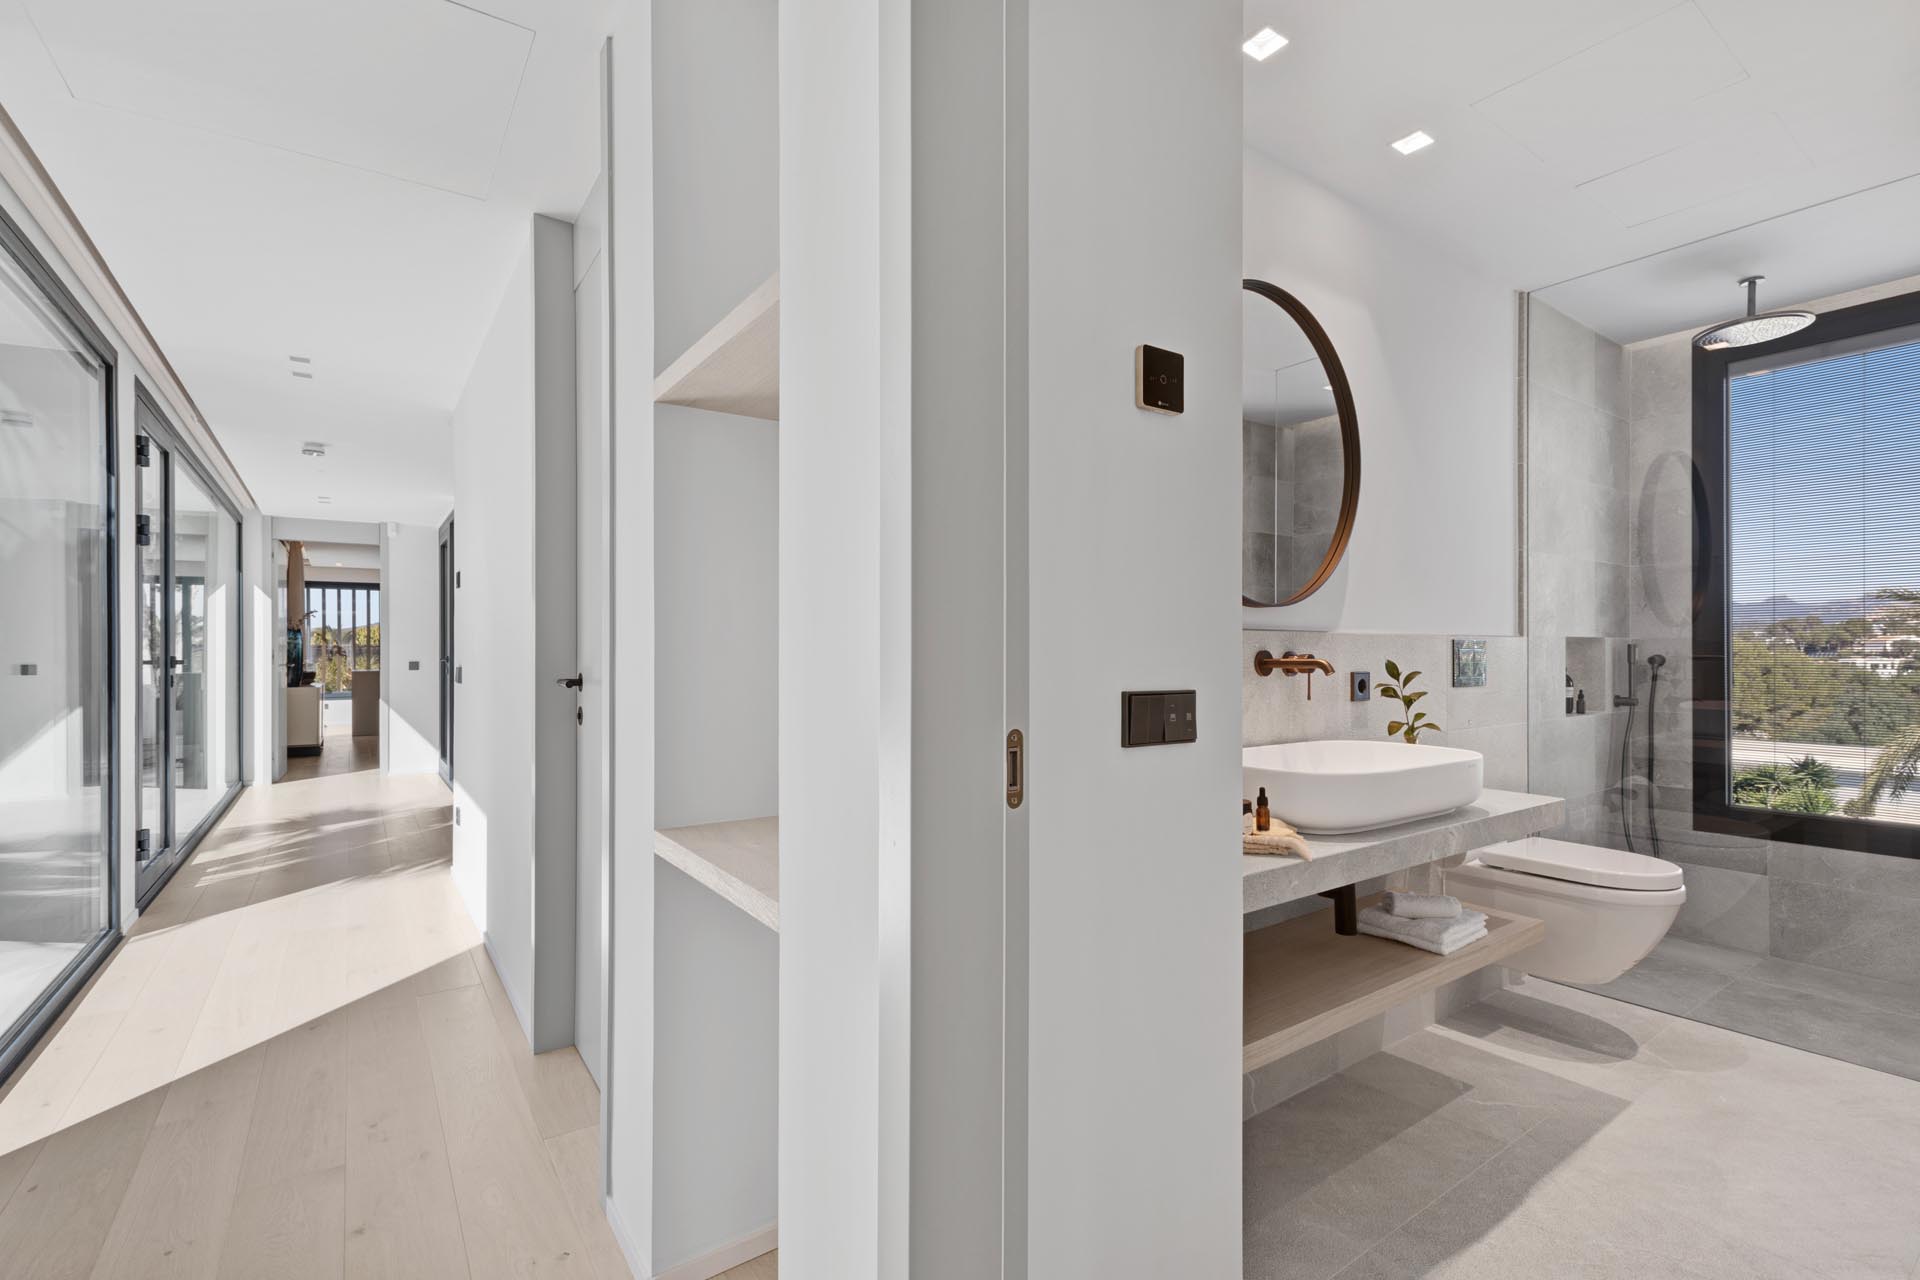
{"points": [[1409, 678], [1433, 727], [1393, 669], [1395, 727], [1412, 698], [1386, 691], [1418, 716]]}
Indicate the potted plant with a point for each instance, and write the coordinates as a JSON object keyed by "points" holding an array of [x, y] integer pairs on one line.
{"points": [[1414, 723]]}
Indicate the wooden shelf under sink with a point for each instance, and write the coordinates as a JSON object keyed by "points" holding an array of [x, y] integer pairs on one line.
{"points": [[1304, 982]]}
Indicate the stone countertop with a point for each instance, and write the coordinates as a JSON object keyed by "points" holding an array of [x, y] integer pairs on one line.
{"points": [[1362, 855]]}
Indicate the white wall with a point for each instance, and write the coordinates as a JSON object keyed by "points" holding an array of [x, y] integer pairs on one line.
{"points": [[410, 633], [957, 368], [628, 1098], [715, 525], [1135, 932], [716, 162], [513, 856], [716, 207], [1429, 348], [842, 264]]}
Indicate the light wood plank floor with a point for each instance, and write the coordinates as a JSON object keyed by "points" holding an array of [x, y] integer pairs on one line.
{"points": [[301, 1063]]}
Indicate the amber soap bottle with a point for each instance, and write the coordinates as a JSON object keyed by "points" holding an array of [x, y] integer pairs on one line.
{"points": [[1262, 816]]}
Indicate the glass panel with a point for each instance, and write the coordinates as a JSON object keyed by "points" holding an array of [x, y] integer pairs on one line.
{"points": [[151, 641], [55, 772], [204, 589], [1824, 585]]}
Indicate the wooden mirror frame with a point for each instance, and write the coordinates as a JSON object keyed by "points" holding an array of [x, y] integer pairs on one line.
{"points": [[1349, 438]]}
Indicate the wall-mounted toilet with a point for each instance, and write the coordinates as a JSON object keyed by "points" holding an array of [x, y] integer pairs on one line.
{"points": [[1605, 909]]}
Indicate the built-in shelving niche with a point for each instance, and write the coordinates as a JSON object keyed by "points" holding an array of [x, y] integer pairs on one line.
{"points": [[1589, 662]]}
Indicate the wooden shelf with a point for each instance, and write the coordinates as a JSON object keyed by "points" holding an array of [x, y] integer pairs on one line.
{"points": [[740, 861], [735, 366], [1304, 982]]}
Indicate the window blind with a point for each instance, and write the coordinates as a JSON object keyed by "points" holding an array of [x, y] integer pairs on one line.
{"points": [[1824, 583]]}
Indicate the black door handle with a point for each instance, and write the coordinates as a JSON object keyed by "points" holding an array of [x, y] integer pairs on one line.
{"points": [[571, 682]]}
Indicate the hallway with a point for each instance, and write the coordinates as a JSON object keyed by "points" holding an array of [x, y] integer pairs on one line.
{"points": [[301, 1063]]}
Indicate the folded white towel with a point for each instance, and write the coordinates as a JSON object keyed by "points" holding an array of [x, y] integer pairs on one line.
{"points": [[1434, 933], [1440, 949], [1422, 906]]}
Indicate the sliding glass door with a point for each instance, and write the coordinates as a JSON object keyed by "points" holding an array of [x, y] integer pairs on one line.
{"points": [[189, 700], [56, 648]]}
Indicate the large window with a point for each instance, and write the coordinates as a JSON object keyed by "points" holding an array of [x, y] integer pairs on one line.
{"points": [[56, 651], [343, 621], [187, 549], [1810, 617]]}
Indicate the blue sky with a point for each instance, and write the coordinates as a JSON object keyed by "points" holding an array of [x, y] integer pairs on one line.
{"points": [[1825, 478]]}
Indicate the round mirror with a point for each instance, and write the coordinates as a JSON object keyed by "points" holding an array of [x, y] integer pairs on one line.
{"points": [[1299, 450]]}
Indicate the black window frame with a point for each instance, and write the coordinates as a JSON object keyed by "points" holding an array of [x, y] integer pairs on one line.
{"points": [[1713, 810], [18, 1039], [346, 604]]}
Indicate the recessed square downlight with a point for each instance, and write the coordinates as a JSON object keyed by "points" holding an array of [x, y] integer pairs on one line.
{"points": [[1415, 141], [1263, 44]]}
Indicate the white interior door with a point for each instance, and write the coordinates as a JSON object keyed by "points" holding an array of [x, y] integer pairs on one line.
{"points": [[590, 338]]}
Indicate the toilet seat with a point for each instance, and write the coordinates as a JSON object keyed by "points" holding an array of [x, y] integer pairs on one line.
{"points": [[1582, 864]]}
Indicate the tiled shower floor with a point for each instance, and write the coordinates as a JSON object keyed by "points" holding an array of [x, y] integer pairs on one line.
{"points": [[1869, 1021]]}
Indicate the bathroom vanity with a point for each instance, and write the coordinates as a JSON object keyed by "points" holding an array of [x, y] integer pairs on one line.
{"points": [[1303, 982]]}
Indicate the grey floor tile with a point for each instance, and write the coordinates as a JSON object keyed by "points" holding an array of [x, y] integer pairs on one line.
{"points": [[1818, 1023], [1880, 993], [1677, 976]]}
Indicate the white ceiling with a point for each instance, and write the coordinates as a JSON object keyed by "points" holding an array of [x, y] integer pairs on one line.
{"points": [[1573, 136], [349, 182]]}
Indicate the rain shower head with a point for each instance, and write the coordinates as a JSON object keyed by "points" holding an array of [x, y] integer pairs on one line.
{"points": [[1755, 327]]}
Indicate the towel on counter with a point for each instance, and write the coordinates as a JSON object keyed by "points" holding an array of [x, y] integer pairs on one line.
{"points": [[1280, 839], [1442, 937], [1422, 906]]}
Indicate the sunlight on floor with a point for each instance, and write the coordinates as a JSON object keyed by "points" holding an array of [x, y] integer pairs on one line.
{"points": [[310, 895]]}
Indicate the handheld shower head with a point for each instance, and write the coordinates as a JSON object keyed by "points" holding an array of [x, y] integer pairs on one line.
{"points": [[1656, 660]]}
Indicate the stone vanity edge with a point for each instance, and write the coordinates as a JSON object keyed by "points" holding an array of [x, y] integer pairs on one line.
{"points": [[1349, 859]]}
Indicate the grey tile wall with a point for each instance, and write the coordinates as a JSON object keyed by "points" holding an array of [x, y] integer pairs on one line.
{"points": [[1491, 719], [1579, 454]]}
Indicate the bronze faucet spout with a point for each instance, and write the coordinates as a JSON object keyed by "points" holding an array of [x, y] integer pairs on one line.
{"points": [[1290, 663]]}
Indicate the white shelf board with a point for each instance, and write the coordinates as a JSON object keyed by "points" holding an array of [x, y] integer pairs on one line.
{"points": [[735, 366], [739, 860]]}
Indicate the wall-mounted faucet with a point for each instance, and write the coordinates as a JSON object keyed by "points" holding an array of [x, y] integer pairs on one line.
{"points": [[1292, 664]]}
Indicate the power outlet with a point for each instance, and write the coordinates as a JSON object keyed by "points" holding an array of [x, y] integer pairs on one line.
{"points": [[1360, 685]]}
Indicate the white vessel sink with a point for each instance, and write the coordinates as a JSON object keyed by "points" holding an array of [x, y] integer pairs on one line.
{"points": [[1334, 787]]}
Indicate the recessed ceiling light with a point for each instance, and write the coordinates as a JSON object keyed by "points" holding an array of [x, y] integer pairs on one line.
{"points": [[301, 359], [301, 373], [1263, 44], [1415, 141], [314, 449], [323, 498]]}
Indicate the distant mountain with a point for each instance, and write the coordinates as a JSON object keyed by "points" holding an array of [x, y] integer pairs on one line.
{"points": [[1748, 614]]}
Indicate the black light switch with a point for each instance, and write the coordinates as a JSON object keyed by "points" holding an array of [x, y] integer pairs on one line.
{"points": [[1159, 379], [1157, 718]]}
